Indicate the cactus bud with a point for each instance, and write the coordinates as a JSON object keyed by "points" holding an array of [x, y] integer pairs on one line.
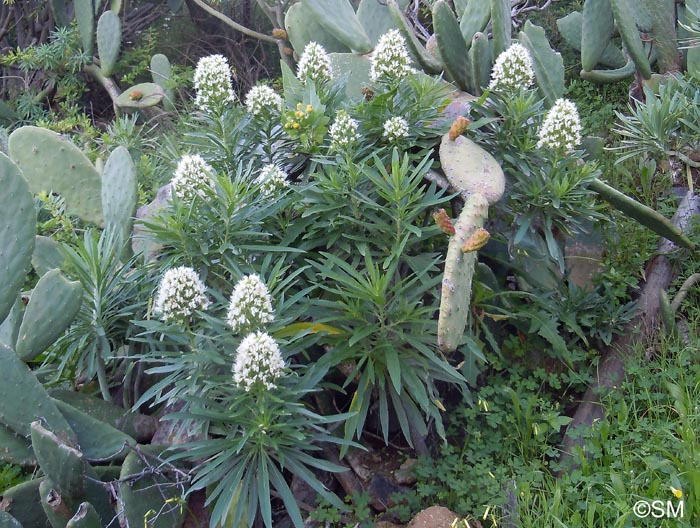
{"points": [[476, 240], [279, 34], [443, 222], [458, 127]]}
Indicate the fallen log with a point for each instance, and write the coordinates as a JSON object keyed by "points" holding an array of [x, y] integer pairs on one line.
{"points": [[612, 368]]}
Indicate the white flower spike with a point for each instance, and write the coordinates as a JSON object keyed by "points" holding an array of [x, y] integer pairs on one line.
{"points": [[390, 60], [395, 128], [561, 129], [343, 131], [314, 64], [193, 177], [262, 100], [250, 305], [180, 293], [258, 361], [512, 69], [212, 82]]}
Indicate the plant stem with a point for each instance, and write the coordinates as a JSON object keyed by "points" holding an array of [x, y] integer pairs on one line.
{"points": [[102, 379]]}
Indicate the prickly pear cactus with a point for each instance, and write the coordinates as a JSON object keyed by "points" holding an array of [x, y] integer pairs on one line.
{"points": [[35, 404], [161, 72], [339, 18], [85, 517], [120, 193], [54, 303], [22, 502], [60, 461], [15, 449], [17, 232], [8, 521], [148, 495], [51, 163], [47, 255], [98, 440], [85, 16], [109, 40], [471, 169], [70, 479], [459, 270], [547, 64], [451, 44], [141, 96]]}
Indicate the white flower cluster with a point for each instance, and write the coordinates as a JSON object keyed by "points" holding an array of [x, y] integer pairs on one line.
{"points": [[258, 360], [395, 128], [512, 70], [271, 178], [212, 82], [390, 60], [180, 293], [262, 100], [343, 131], [250, 305], [192, 177], [314, 64], [561, 129]]}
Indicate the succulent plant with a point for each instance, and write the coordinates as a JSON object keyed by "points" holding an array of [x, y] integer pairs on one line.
{"points": [[649, 32], [466, 65]]}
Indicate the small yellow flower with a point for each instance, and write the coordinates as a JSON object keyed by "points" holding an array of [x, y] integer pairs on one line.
{"points": [[299, 106], [299, 113], [309, 108], [295, 126], [677, 493]]}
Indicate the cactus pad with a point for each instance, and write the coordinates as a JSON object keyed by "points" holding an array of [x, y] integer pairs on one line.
{"points": [[120, 194], [339, 18], [35, 403], [109, 39], [471, 169], [547, 63], [17, 231], [49, 162], [54, 303], [459, 270], [148, 495], [141, 96]]}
